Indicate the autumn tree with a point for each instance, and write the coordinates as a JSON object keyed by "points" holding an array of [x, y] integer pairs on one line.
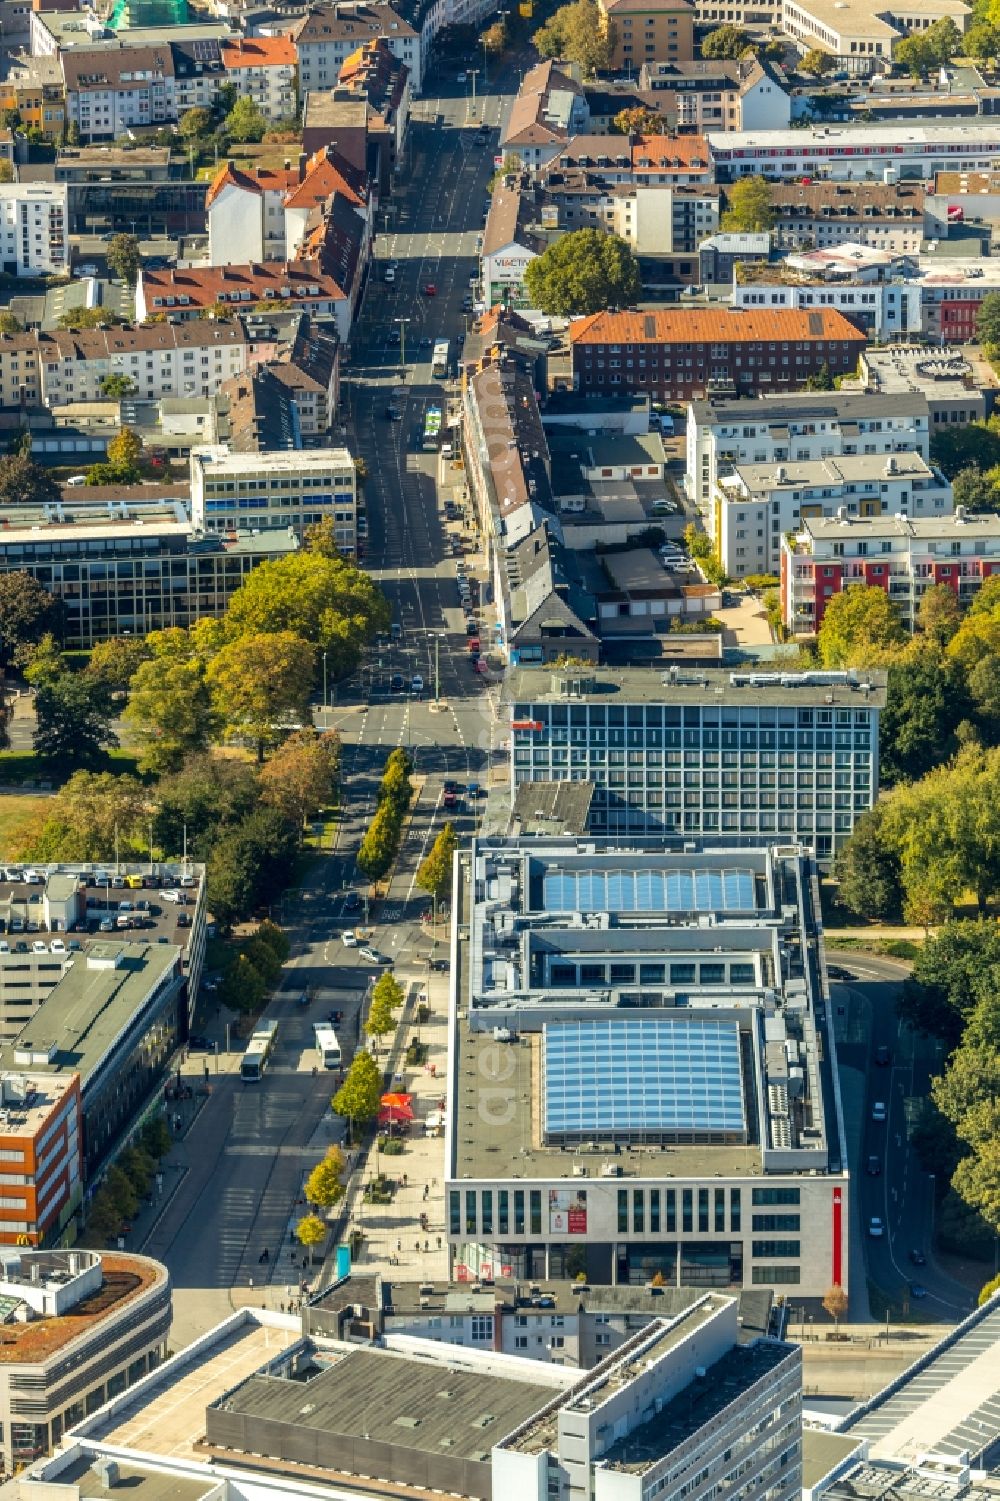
{"points": [[25, 483], [638, 120], [89, 815], [194, 124], [435, 872], [170, 712], [579, 33], [835, 1303], [817, 62], [310, 1232], [256, 680], [861, 625], [323, 1185], [301, 776], [124, 451], [116, 661], [749, 210], [379, 844], [726, 42]]}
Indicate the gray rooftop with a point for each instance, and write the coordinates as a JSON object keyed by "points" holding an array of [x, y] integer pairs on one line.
{"points": [[709, 687], [140, 1484], [823, 1452], [552, 807], [806, 406]]}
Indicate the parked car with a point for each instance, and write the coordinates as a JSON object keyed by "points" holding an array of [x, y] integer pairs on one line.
{"points": [[58, 946], [416, 683], [38, 947], [349, 939]]}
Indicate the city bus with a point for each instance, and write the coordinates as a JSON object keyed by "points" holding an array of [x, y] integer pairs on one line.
{"points": [[432, 429], [259, 1050], [327, 1046], [439, 360]]}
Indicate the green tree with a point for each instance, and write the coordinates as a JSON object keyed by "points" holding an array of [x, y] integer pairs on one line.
{"points": [[988, 320], [125, 450], [947, 829], [925, 703], [89, 317], [45, 662], [194, 124], [138, 1167], [359, 1096], [396, 787], [915, 54], [380, 1020], [275, 938], [245, 122], [749, 208], [726, 42], [73, 720], [264, 960], [301, 775], [379, 844], [207, 797], [115, 387], [25, 483], [868, 871], [389, 991], [977, 1179], [9, 322], [945, 985], [121, 1193], [257, 681], [225, 99], [310, 1232], [579, 33], [583, 272], [639, 120], [939, 613], [820, 380], [982, 41], [435, 873], [817, 62], [243, 987], [860, 626], [124, 259], [169, 712], [324, 1187], [976, 489], [249, 865], [117, 660], [89, 815], [944, 40], [154, 1135]]}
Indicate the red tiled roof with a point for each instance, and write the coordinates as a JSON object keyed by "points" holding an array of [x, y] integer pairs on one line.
{"points": [[203, 286], [322, 178], [259, 52], [258, 180], [663, 152], [711, 326]]}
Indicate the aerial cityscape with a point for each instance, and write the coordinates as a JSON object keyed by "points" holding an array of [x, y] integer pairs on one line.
{"points": [[499, 750]]}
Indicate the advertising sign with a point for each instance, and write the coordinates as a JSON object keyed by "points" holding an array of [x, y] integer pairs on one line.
{"points": [[567, 1211]]}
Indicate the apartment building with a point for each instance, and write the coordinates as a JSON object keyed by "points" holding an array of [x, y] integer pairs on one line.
{"points": [[676, 354], [328, 34], [121, 565], [849, 153], [820, 214], [714, 754], [654, 221], [159, 359], [40, 1141], [34, 234], [34, 87], [512, 239], [246, 214], [648, 31], [190, 292], [660, 1014], [798, 427], [550, 108], [82, 1326], [885, 310], [755, 504], [904, 555], [659, 161], [717, 94], [275, 492], [263, 68], [111, 88]]}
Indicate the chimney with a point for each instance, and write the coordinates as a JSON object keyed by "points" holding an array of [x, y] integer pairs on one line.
{"points": [[302, 166]]}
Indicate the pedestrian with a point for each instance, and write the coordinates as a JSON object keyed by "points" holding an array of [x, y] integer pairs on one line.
{"points": [[251, 1284], [399, 1245]]}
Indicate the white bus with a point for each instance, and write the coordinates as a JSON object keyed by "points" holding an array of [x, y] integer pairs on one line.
{"points": [[327, 1046], [259, 1049], [439, 360]]}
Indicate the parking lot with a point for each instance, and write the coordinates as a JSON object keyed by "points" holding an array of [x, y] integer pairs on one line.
{"points": [[74, 906]]}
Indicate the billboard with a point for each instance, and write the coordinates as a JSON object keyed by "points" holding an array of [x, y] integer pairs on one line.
{"points": [[567, 1211]]}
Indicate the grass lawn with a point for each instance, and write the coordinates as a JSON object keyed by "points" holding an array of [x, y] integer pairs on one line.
{"points": [[17, 811], [888, 948], [19, 767]]}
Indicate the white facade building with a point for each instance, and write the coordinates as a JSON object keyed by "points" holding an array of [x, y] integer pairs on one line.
{"points": [[288, 490], [888, 310], [755, 504], [34, 234], [860, 152], [190, 359]]}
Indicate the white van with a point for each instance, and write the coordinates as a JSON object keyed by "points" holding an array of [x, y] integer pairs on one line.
{"points": [[390, 274], [170, 896]]}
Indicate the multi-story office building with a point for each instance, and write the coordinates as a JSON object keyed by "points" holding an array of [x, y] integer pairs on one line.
{"points": [[121, 566], [275, 491], [798, 427], [884, 310], [34, 235], [680, 353], [755, 504], [903, 555], [40, 1149], [856, 152], [642, 1077], [80, 1327], [710, 753]]}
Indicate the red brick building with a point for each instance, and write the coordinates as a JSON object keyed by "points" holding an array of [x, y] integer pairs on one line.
{"points": [[679, 353]]}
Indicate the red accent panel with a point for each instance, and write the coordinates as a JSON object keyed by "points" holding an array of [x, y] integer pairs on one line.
{"points": [[838, 1258]]}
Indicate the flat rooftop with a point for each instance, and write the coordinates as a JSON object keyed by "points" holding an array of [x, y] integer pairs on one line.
{"points": [[810, 406], [939, 374], [822, 1452], [123, 1279], [954, 528], [384, 1396], [711, 687], [836, 471], [217, 458], [140, 1484]]}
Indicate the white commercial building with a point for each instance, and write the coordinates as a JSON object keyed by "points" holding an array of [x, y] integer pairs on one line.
{"points": [[34, 234], [799, 427], [861, 152], [262, 491], [861, 38], [755, 504], [887, 310]]}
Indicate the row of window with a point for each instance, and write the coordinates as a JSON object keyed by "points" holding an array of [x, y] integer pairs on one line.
{"points": [[693, 716], [564, 972], [655, 1211]]}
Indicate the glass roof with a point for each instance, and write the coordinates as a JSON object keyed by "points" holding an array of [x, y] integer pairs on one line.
{"points": [[685, 890]]}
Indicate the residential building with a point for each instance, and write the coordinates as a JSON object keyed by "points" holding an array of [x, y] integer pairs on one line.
{"points": [[811, 788], [883, 309], [951, 293], [158, 359], [959, 386], [648, 161], [512, 239], [40, 1142], [34, 87], [246, 214], [327, 183], [676, 354], [820, 214], [373, 73], [648, 31], [198, 71], [34, 236], [287, 491], [655, 221], [189, 293], [720, 94], [904, 555], [621, 1430], [550, 108], [721, 253], [78, 1327], [863, 41], [799, 427], [755, 504], [111, 88], [856, 152], [126, 562], [20, 376], [263, 68], [730, 1172], [328, 34]]}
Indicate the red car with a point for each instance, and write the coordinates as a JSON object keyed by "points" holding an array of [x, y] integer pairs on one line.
{"points": [[430, 290], [472, 644]]}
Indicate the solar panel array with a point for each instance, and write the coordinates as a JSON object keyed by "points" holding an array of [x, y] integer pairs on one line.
{"points": [[683, 890], [642, 1076]]}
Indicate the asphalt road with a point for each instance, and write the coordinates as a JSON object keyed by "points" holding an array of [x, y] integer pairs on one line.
{"points": [[901, 1194]]}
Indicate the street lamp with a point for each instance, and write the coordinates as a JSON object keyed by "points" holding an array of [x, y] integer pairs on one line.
{"points": [[402, 338], [473, 74], [324, 688]]}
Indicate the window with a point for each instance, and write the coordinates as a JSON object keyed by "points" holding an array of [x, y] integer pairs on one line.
{"points": [[774, 1248], [775, 1196], [638, 1211], [654, 1211], [536, 1211], [770, 1276], [503, 1198], [720, 1209], [776, 1222], [482, 1326], [454, 1212], [519, 1211], [687, 1210], [734, 1209], [623, 1211], [671, 1211], [470, 1211], [487, 1211]]}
